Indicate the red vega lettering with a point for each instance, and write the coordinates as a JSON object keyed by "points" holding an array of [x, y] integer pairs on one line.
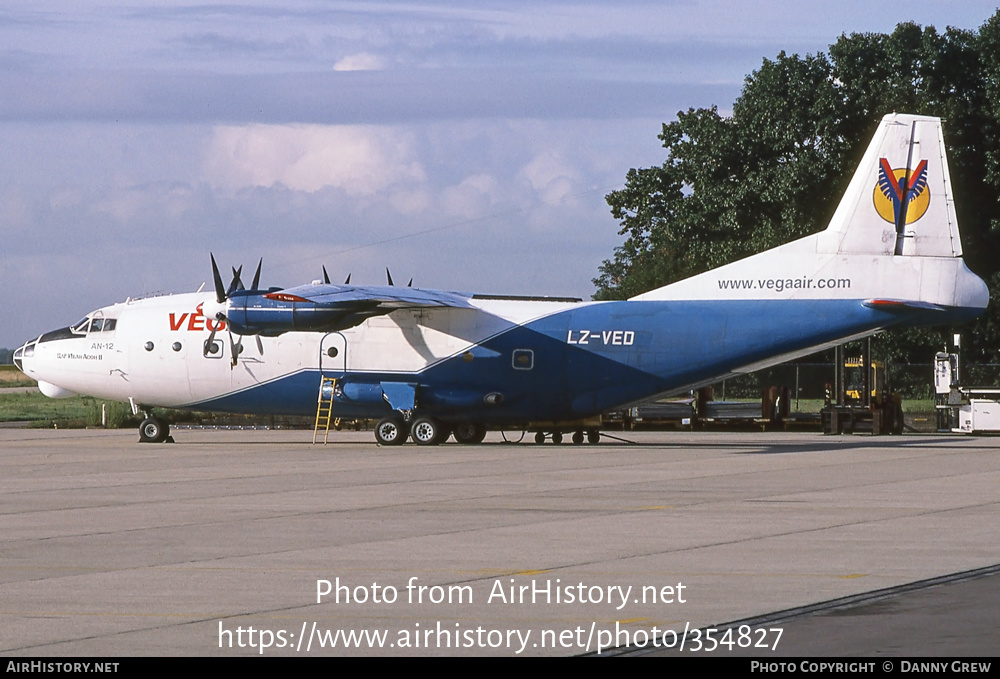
{"points": [[196, 321], [176, 323]]}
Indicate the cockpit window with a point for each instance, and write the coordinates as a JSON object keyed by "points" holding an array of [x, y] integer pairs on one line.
{"points": [[93, 325]]}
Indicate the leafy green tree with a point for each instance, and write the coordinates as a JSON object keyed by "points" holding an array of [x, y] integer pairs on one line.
{"points": [[776, 169]]}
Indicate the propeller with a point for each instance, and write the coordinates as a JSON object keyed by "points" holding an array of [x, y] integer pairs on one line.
{"points": [[222, 295]]}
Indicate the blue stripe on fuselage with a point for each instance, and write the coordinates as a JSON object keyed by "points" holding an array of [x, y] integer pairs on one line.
{"points": [[587, 359]]}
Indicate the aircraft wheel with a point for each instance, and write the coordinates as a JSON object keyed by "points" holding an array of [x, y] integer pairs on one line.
{"points": [[593, 436], [539, 437], [470, 433], [391, 431], [577, 437], [557, 437], [153, 430], [426, 431]]}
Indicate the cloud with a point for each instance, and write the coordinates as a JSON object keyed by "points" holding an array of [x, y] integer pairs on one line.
{"points": [[363, 61], [472, 197], [551, 177], [359, 159]]}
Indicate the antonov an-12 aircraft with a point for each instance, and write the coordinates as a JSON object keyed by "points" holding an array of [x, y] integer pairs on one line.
{"points": [[428, 363]]}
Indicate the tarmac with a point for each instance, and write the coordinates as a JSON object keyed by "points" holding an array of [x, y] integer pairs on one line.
{"points": [[238, 543]]}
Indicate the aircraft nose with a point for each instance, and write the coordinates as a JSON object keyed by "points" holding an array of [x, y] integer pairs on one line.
{"points": [[26, 350]]}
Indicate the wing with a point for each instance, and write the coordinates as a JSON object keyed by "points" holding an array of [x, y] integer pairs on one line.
{"points": [[328, 308], [387, 297]]}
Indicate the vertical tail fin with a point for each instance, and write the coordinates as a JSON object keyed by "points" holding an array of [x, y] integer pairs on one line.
{"points": [[900, 200], [893, 239]]}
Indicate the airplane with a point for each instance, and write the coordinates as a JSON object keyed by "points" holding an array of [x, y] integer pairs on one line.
{"points": [[428, 363]]}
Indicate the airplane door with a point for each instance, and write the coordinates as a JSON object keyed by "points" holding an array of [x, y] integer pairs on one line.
{"points": [[333, 354], [210, 372]]}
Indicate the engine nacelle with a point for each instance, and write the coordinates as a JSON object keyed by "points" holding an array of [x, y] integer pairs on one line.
{"points": [[273, 313]]}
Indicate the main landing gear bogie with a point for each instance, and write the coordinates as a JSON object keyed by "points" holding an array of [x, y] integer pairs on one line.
{"points": [[424, 430]]}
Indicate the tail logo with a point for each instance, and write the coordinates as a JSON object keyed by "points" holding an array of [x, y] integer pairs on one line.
{"points": [[901, 191]]}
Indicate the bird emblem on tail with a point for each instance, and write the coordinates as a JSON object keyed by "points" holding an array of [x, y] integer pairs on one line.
{"points": [[901, 195]]}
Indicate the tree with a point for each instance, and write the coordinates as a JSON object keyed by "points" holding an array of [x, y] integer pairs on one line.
{"points": [[776, 169]]}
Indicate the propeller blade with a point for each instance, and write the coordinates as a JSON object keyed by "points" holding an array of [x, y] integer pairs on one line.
{"points": [[234, 350], [256, 276], [209, 341], [236, 284], [220, 292], [388, 276], [326, 276]]}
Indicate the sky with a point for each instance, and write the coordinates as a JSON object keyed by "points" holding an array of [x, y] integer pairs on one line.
{"points": [[466, 145]]}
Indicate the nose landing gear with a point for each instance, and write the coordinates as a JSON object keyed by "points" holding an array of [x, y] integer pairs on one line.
{"points": [[154, 430]]}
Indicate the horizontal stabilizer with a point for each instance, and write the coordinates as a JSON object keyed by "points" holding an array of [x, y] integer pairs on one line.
{"points": [[901, 305]]}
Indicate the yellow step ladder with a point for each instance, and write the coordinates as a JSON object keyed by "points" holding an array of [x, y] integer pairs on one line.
{"points": [[324, 407]]}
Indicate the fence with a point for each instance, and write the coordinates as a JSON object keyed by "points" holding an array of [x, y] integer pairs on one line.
{"points": [[807, 381]]}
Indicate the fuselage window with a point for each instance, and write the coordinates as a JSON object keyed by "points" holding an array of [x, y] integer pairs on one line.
{"points": [[523, 359], [213, 349]]}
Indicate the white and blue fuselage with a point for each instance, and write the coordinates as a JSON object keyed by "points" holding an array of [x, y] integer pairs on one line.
{"points": [[487, 360]]}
